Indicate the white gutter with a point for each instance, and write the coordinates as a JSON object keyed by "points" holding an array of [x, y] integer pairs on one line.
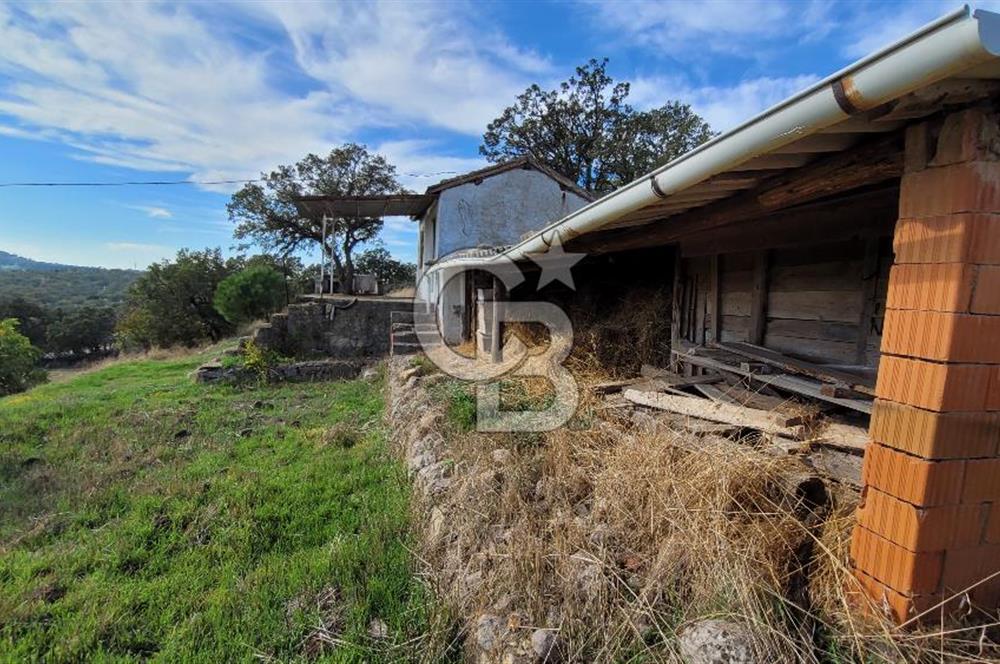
{"points": [[952, 44]]}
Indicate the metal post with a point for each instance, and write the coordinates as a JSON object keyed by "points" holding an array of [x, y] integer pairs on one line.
{"points": [[322, 258]]}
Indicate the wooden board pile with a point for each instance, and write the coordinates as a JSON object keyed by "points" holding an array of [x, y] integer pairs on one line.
{"points": [[731, 389]]}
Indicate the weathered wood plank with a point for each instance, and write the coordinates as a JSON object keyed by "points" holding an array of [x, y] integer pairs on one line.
{"points": [[843, 275], [838, 434], [736, 303], [714, 300], [759, 298], [672, 379], [793, 384], [876, 162], [838, 306], [793, 227], [859, 383], [811, 329], [869, 277], [677, 299], [822, 351], [715, 394], [716, 412]]}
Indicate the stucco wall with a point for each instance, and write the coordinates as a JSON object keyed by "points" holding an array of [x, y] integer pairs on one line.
{"points": [[499, 210]]}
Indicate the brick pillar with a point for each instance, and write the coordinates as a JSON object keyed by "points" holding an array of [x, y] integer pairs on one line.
{"points": [[929, 521]]}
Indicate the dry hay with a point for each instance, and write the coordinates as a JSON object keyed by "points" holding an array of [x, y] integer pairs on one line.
{"points": [[619, 536], [611, 338]]}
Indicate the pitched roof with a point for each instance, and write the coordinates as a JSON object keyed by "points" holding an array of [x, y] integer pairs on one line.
{"points": [[526, 162]]}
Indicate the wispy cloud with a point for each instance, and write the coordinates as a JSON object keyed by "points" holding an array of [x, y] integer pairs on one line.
{"points": [[181, 97], [153, 211], [435, 63], [873, 25], [164, 88], [138, 247], [734, 27], [723, 107]]}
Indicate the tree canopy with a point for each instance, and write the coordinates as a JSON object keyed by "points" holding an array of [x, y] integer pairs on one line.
{"points": [[17, 359], [587, 131], [172, 302], [251, 294], [391, 272], [266, 214]]}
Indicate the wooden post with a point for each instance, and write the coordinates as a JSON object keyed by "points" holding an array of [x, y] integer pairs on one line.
{"points": [[497, 342], [869, 275], [714, 306], [677, 299], [758, 311]]}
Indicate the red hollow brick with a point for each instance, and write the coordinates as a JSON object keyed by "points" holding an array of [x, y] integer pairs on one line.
{"points": [[975, 570], [968, 135], [886, 601], [957, 238], [993, 395], [905, 571], [942, 336], [986, 293], [931, 286], [992, 535], [931, 435], [918, 481], [921, 528], [934, 386], [966, 187], [982, 481]]}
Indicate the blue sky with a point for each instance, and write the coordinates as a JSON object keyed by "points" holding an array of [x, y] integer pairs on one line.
{"points": [[111, 92]]}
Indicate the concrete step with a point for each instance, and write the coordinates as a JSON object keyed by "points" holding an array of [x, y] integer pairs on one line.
{"points": [[402, 326], [400, 336], [401, 316], [406, 348]]}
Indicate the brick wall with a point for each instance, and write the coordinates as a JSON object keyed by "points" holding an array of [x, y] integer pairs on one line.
{"points": [[928, 526]]}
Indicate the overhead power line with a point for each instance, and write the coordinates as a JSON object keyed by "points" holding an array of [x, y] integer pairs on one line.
{"points": [[161, 183]]}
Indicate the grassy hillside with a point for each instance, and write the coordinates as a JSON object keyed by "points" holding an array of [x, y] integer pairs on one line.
{"points": [[143, 516], [62, 286]]}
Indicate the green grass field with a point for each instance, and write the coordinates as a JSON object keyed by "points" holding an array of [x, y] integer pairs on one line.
{"points": [[143, 516]]}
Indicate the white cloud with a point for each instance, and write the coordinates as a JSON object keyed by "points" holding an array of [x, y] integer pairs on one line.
{"points": [[419, 165], [877, 25], [153, 211], [181, 88], [153, 87], [722, 107], [434, 63], [687, 30], [138, 247]]}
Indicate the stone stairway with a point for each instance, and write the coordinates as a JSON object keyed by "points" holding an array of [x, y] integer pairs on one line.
{"points": [[404, 328]]}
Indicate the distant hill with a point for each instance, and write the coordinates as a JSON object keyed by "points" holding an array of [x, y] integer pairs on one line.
{"points": [[60, 286], [10, 261]]}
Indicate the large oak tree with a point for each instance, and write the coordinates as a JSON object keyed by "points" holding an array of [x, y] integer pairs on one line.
{"points": [[265, 212], [585, 130]]}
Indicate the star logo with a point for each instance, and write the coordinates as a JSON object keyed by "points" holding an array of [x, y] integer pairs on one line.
{"points": [[556, 264]]}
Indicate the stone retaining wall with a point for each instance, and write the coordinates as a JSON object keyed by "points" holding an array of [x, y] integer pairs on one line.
{"points": [[296, 372], [341, 328]]}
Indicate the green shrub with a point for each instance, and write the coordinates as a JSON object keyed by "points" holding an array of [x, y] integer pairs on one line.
{"points": [[259, 360], [250, 294], [461, 407], [17, 360]]}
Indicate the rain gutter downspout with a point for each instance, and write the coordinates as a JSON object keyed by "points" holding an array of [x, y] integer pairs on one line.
{"points": [[949, 45]]}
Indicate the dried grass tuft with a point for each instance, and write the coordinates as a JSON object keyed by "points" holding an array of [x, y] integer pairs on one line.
{"points": [[618, 537]]}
